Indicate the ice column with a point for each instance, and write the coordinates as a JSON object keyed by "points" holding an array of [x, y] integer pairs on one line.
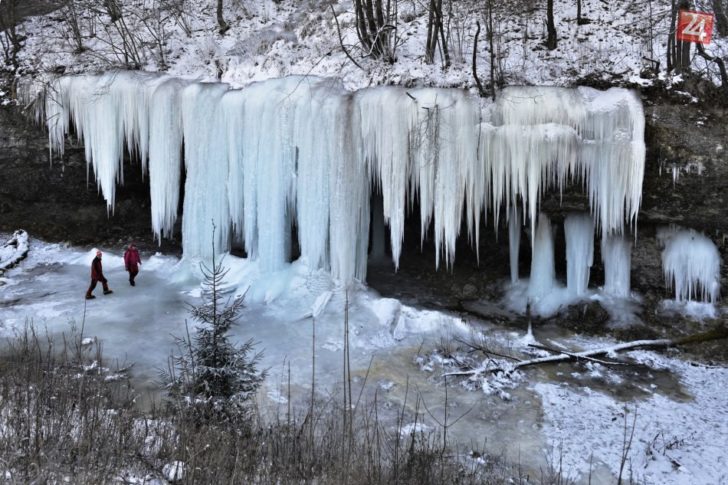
{"points": [[579, 232], [206, 201], [543, 273], [165, 157], [617, 258], [514, 240], [691, 264]]}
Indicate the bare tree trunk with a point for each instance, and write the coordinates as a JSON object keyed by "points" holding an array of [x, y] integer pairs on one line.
{"points": [[481, 91], [112, 8], [361, 26], [224, 27], [431, 39], [381, 32], [492, 48], [74, 26], [551, 39], [671, 54], [372, 22], [682, 62], [682, 49], [436, 35], [578, 12], [9, 38], [443, 41], [721, 18]]}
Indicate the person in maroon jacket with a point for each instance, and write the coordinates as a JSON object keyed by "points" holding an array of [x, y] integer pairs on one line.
{"points": [[132, 261], [97, 274]]}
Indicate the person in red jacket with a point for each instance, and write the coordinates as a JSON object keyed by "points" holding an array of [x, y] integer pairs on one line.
{"points": [[97, 274], [132, 261]]}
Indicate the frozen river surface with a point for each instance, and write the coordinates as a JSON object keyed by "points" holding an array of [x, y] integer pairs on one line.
{"points": [[567, 413]]}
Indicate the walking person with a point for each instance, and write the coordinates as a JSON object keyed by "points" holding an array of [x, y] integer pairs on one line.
{"points": [[132, 261], [97, 274]]}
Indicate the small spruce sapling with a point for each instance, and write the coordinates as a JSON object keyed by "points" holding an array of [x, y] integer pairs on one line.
{"points": [[213, 377]]}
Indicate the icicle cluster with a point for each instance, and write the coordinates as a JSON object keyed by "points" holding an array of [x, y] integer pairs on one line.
{"points": [[305, 152], [691, 264]]}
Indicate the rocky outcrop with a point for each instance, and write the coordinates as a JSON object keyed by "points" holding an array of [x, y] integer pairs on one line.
{"points": [[57, 199]]}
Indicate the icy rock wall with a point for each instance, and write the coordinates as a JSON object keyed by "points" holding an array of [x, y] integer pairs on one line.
{"points": [[691, 264], [304, 151]]}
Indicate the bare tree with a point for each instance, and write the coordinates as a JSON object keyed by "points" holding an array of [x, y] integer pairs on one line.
{"points": [[10, 39], [678, 52], [71, 17], [551, 39], [578, 12], [721, 18], [376, 27], [155, 17], [224, 27], [113, 9], [718, 61], [481, 90], [178, 11], [436, 35]]}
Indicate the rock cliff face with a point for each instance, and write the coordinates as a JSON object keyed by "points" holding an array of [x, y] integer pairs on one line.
{"points": [[686, 183], [56, 200]]}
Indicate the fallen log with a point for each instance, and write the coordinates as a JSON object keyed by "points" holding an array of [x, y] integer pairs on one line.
{"points": [[575, 355], [14, 250], [716, 333]]}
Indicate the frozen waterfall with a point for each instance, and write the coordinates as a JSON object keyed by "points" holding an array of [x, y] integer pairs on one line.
{"points": [[304, 151]]}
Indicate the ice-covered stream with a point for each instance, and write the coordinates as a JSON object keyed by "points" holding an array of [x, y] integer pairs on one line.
{"points": [[568, 412]]}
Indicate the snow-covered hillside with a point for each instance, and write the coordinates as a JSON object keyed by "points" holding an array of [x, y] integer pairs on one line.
{"points": [[270, 39]]}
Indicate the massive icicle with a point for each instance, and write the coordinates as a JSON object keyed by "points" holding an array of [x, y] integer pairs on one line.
{"points": [[579, 232], [304, 151], [617, 258], [543, 271], [691, 264], [165, 157]]}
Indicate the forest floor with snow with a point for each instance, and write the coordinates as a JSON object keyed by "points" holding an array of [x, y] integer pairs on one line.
{"points": [[573, 414], [270, 39]]}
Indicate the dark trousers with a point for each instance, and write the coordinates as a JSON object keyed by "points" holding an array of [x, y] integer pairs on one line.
{"points": [[104, 283], [132, 274]]}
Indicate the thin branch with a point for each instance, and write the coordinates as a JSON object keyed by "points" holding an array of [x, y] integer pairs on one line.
{"points": [[341, 40]]}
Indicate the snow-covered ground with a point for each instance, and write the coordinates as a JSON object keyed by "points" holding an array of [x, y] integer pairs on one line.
{"points": [[269, 39], [569, 413]]}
